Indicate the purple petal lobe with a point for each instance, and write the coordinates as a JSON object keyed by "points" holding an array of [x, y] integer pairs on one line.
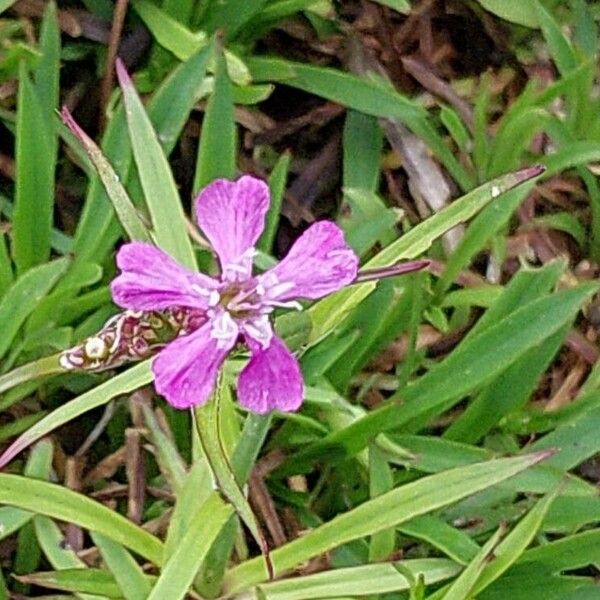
{"points": [[232, 216], [151, 280], [319, 262], [271, 380], [186, 370]]}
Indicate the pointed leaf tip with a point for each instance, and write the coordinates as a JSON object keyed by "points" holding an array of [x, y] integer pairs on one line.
{"points": [[71, 123], [529, 173], [544, 454], [122, 74]]}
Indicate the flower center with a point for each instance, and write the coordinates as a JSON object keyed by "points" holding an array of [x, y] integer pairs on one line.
{"points": [[241, 299]]}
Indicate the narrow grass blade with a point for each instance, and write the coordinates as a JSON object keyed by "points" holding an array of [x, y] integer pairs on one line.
{"points": [[277, 182], [168, 110], [463, 585], [330, 311], [46, 73], [169, 32], [132, 583], [368, 95], [381, 481], [179, 571], [34, 191], [515, 544], [63, 504], [126, 211], [23, 297], [207, 420], [474, 362], [130, 380], [78, 581], [28, 552], [559, 46], [383, 512], [6, 269], [209, 579], [162, 198], [58, 554], [218, 139], [361, 581]]}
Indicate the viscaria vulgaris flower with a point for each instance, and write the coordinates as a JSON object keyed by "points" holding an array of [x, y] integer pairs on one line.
{"points": [[236, 307]]}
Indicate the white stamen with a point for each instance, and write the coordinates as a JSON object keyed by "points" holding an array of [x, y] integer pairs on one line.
{"points": [[213, 298], [293, 304], [260, 329], [224, 329]]}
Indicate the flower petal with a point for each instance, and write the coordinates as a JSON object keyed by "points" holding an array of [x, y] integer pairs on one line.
{"points": [[151, 280], [185, 372], [319, 262], [271, 380], [232, 216]]}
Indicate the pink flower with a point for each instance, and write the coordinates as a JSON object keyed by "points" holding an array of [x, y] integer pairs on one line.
{"points": [[236, 307]]}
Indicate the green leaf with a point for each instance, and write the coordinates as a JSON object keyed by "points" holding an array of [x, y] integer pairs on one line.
{"points": [[130, 380], [256, 428], [370, 95], [364, 580], [381, 481], [12, 519], [169, 32], [46, 73], [513, 546], [168, 109], [60, 503], [76, 580], [362, 145], [218, 143], [561, 221], [180, 569], [34, 185], [277, 182], [59, 555], [450, 540], [330, 311], [132, 583], [169, 461], [381, 513], [231, 16], [477, 360], [24, 296], [162, 198], [126, 212], [6, 270], [508, 393], [208, 426], [6, 4], [463, 585], [521, 13], [559, 46]]}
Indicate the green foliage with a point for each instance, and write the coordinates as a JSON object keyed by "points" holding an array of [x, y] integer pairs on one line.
{"points": [[442, 458]]}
